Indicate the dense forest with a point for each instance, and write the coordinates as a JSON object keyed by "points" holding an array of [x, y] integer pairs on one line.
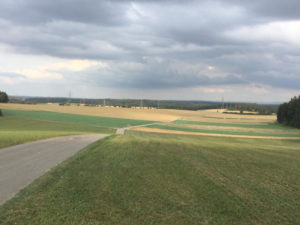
{"points": [[289, 113]]}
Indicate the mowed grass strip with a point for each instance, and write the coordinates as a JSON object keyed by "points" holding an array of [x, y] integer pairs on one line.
{"points": [[15, 130], [75, 118], [239, 125], [247, 133], [142, 178]]}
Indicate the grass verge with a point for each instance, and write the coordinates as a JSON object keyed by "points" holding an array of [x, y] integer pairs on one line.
{"points": [[143, 178]]}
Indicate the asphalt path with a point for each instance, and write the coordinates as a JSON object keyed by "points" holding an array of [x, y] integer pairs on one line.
{"points": [[21, 164]]}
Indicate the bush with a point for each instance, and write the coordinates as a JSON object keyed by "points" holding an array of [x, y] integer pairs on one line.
{"points": [[1, 113]]}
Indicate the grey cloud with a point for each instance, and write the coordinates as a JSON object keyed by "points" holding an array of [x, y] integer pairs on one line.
{"points": [[32, 12], [151, 74], [276, 9], [190, 32]]}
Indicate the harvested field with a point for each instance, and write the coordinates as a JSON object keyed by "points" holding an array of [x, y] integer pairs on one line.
{"points": [[115, 112], [212, 121], [163, 115], [217, 116]]}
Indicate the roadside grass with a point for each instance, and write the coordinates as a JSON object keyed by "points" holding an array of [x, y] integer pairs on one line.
{"points": [[75, 118], [14, 130], [228, 132], [145, 178]]}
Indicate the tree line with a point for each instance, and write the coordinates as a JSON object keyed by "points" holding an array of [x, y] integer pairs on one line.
{"points": [[252, 107], [126, 103], [148, 103], [289, 113], [3, 97]]}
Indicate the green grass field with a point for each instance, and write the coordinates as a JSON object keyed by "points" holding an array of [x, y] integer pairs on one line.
{"points": [[143, 178], [75, 118], [15, 130]]}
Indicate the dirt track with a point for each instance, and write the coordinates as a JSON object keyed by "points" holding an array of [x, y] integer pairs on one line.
{"points": [[21, 164]]}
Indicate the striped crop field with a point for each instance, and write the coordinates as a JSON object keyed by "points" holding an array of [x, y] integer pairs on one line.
{"points": [[244, 132], [240, 125], [75, 118], [162, 115]]}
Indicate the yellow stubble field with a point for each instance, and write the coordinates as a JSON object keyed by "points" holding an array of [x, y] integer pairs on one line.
{"points": [[163, 115]]}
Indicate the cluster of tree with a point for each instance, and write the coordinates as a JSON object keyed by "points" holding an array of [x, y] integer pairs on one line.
{"points": [[255, 108], [3, 97], [289, 113]]}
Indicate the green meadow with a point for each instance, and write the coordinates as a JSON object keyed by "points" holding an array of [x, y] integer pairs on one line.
{"points": [[145, 178], [75, 118], [17, 130]]}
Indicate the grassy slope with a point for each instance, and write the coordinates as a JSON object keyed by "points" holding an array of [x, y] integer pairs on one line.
{"points": [[248, 133], [15, 130], [75, 118], [144, 178]]}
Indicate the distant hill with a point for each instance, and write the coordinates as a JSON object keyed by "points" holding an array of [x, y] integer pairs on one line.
{"points": [[148, 103]]}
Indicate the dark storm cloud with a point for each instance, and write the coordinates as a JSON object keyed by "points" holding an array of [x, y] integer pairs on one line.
{"points": [[192, 32], [31, 12]]}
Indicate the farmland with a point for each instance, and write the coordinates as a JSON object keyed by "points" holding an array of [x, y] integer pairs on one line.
{"points": [[257, 130], [191, 167], [163, 115], [75, 118], [203, 122], [113, 112]]}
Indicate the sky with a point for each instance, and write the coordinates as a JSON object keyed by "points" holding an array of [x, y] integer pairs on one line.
{"points": [[156, 49]]}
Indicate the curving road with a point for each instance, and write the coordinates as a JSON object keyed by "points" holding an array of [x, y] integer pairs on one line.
{"points": [[21, 164]]}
